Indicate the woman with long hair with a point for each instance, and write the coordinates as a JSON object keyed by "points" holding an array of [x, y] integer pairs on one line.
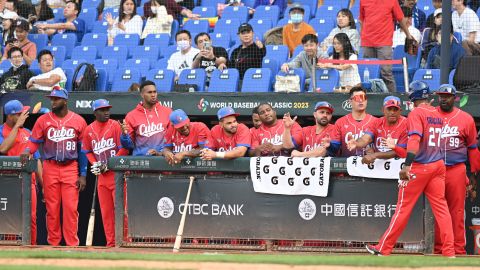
{"points": [[8, 35], [159, 22], [345, 24], [127, 22]]}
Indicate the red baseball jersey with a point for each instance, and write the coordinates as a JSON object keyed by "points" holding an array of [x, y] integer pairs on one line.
{"points": [[102, 139], [198, 137], [347, 127], [274, 135], [383, 130], [221, 142], [426, 122], [311, 139], [60, 136], [458, 134]]}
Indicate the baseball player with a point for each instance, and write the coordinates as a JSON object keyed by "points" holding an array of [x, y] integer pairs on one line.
{"points": [[186, 139], [13, 141], [229, 139], [353, 125], [145, 127], [458, 142], [255, 119], [65, 166], [391, 125], [315, 140], [101, 140], [267, 140], [424, 171]]}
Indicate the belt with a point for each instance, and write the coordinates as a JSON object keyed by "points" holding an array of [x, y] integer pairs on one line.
{"points": [[62, 162]]}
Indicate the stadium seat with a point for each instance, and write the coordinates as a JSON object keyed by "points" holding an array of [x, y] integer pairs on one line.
{"points": [[373, 70], [272, 64], [329, 10], [326, 80], [67, 40], [58, 14], [41, 40], [221, 39], [163, 79], [124, 78], [413, 63], [161, 64], [429, 76], [306, 17], [196, 26], [59, 54], [140, 12], [282, 22], [278, 52], [193, 76], [149, 51], [297, 50], [89, 16], [116, 52], [166, 52], [98, 40], [238, 12], [69, 74], [249, 3], [260, 26], [451, 76], [212, 3], [296, 71], [140, 64], [34, 67], [205, 11], [267, 12], [109, 65], [5, 65], [160, 40], [91, 3], [257, 80], [224, 80], [323, 26], [88, 53], [175, 28], [227, 26], [426, 6], [102, 80], [100, 27], [72, 63], [128, 40]]}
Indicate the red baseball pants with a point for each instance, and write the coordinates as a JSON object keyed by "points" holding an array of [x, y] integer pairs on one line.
{"points": [[33, 223], [60, 189], [430, 179], [106, 197], [455, 190]]}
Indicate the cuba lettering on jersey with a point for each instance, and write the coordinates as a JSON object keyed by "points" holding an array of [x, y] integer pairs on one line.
{"points": [[102, 139], [274, 135], [60, 136], [310, 138], [458, 134], [222, 143], [346, 127], [198, 137], [398, 132]]}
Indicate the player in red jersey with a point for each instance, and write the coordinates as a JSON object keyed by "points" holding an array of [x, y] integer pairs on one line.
{"points": [[255, 119], [459, 142], [267, 140], [229, 139], [315, 140], [186, 139], [353, 125], [65, 166], [391, 125], [101, 140], [13, 141], [424, 171]]}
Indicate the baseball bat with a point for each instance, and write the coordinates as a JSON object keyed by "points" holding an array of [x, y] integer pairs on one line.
{"points": [[91, 220], [178, 239]]}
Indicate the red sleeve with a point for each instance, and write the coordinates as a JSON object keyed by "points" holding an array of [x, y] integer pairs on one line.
{"points": [[415, 123], [403, 138], [336, 134], [361, 16], [203, 134], [413, 143], [243, 136], [37, 131], [297, 135], [471, 133], [82, 125], [254, 139], [131, 131], [397, 11], [400, 151], [91, 158]]}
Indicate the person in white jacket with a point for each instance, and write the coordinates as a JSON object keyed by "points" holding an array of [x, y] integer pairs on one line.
{"points": [[160, 22], [127, 22]]}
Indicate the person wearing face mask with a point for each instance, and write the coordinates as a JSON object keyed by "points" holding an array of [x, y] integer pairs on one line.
{"points": [[128, 22], [29, 48], [297, 29], [345, 24], [183, 59], [17, 76], [160, 22]]}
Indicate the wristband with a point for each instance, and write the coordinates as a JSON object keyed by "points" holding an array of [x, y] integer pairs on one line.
{"points": [[410, 158], [220, 154]]}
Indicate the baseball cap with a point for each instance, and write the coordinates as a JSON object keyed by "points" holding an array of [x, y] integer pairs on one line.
{"points": [[226, 111], [8, 15], [23, 24], [446, 89], [14, 106], [325, 105], [179, 118], [101, 103], [392, 101], [296, 6], [437, 11], [244, 27], [58, 92]]}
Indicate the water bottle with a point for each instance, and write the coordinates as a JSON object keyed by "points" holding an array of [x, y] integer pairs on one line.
{"points": [[366, 75]]}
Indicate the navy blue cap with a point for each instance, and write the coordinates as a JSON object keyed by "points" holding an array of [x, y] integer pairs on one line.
{"points": [[179, 118], [101, 103], [59, 93], [14, 106], [420, 90], [447, 89], [324, 105], [227, 111]]}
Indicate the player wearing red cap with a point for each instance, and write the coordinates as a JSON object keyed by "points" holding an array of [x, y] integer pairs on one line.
{"points": [[65, 166], [101, 140]]}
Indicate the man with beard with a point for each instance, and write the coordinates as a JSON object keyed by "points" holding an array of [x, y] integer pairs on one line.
{"points": [[186, 139], [459, 142], [391, 125], [229, 138], [101, 141], [267, 140], [145, 127], [65, 166], [315, 139]]}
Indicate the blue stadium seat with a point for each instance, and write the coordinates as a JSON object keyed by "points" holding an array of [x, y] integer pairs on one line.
{"points": [[297, 50], [124, 78], [67, 40], [109, 65], [98, 40], [373, 70], [34, 67], [140, 12], [224, 80], [451, 76], [91, 3], [88, 53], [161, 64], [100, 27], [116, 52], [113, 11], [58, 14], [272, 64], [329, 10], [166, 52], [323, 26], [175, 28], [148, 51], [296, 71], [59, 54], [41, 40], [163, 79], [340, 3], [193, 76], [238, 12], [426, 6], [69, 74], [413, 63], [212, 3], [260, 26], [5, 65], [102, 80], [227, 26], [89, 15], [160, 40], [311, 4], [284, 21], [140, 64], [205, 11], [129, 40], [326, 80], [429, 76], [257, 80], [196, 26], [249, 3], [267, 12], [308, 13], [220, 39], [72, 63], [278, 52]]}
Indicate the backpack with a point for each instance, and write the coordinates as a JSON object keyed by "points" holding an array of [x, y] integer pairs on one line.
{"points": [[378, 86], [88, 81]]}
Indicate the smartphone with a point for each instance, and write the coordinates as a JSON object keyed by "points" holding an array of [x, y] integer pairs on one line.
{"points": [[207, 46]]}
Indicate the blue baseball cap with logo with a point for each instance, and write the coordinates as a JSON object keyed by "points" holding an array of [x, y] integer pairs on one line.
{"points": [[59, 93], [179, 118], [101, 103], [446, 89], [324, 105], [227, 111], [14, 106], [392, 101]]}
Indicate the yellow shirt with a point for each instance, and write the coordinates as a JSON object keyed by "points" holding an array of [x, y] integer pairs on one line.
{"points": [[293, 38]]}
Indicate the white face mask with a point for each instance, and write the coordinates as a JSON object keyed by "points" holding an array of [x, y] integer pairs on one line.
{"points": [[183, 45], [126, 12], [154, 9]]}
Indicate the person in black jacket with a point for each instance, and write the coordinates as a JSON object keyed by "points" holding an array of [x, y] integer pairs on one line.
{"points": [[17, 76]]}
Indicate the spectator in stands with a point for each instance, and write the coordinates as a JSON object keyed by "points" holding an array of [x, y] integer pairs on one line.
{"points": [[24, 9], [282, 4], [456, 52], [399, 35], [42, 12], [255, 119], [343, 50], [297, 29], [70, 24], [160, 22], [429, 36], [209, 57], [466, 22], [173, 8], [29, 48], [419, 17], [127, 22], [305, 59], [8, 34], [437, 4], [17, 76], [249, 54], [376, 43], [345, 24], [183, 59], [232, 3], [49, 77], [134, 87]]}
